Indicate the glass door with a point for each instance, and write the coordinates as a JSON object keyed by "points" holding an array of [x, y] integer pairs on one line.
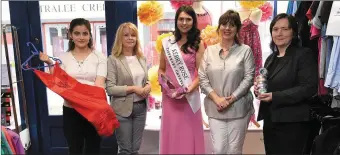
{"points": [[55, 17]]}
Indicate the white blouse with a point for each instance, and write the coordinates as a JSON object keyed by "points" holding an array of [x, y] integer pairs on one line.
{"points": [[84, 71], [137, 74]]}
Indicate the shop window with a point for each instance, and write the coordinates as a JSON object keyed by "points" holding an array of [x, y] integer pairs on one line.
{"points": [[213, 9]]}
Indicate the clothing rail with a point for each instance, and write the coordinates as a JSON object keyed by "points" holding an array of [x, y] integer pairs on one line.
{"points": [[8, 64]]}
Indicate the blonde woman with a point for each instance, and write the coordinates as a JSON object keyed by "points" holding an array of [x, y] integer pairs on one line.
{"points": [[128, 87]]}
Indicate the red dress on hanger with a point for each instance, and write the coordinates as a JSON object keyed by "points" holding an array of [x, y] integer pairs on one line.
{"points": [[89, 101]]}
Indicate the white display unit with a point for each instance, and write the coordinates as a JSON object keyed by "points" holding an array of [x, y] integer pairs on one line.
{"points": [[153, 121]]}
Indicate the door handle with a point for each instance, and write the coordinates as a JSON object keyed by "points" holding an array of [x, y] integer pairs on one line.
{"points": [[36, 40]]}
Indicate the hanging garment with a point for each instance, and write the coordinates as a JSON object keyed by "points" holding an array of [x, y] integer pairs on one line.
{"points": [[203, 20], [16, 142], [329, 53], [325, 11], [323, 52], [89, 101], [292, 7], [250, 36], [9, 140], [333, 74], [5, 148], [304, 28]]}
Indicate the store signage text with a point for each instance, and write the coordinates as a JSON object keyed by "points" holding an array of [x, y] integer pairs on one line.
{"points": [[72, 8]]}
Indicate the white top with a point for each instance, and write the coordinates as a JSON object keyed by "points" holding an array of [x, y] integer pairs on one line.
{"points": [[137, 74], [84, 71]]}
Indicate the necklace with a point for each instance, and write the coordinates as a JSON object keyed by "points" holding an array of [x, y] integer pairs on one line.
{"points": [[81, 72]]}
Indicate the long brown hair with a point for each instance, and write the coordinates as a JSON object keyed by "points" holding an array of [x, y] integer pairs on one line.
{"points": [[193, 37]]}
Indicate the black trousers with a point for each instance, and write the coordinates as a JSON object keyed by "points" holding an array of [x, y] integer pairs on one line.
{"points": [[80, 134], [286, 138]]}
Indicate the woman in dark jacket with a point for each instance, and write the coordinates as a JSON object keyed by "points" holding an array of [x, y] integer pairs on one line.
{"points": [[291, 81]]}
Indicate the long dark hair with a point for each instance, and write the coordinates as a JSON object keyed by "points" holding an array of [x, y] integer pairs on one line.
{"points": [[193, 36], [292, 23], [79, 22]]}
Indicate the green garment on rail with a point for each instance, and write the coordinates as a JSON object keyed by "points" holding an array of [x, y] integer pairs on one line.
{"points": [[5, 149]]}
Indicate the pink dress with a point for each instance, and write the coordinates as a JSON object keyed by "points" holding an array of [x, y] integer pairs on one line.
{"points": [[250, 36], [203, 20], [181, 128]]}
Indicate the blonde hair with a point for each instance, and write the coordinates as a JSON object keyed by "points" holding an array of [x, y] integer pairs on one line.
{"points": [[118, 44]]}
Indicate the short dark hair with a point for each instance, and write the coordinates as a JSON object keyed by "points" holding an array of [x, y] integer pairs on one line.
{"points": [[78, 22], [292, 23], [232, 17]]}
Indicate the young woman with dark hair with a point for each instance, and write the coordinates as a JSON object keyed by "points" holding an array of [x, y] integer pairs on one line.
{"points": [[88, 67], [181, 128]]}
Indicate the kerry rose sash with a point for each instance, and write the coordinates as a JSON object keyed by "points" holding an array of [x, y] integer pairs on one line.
{"points": [[181, 71]]}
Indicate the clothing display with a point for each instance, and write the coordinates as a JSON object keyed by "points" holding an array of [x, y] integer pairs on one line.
{"points": [[250, 36], [292, 7], [304, 28], [333, 75], [312, 17], [325, 11], [181, 129], [10, 142], [203, 20]]}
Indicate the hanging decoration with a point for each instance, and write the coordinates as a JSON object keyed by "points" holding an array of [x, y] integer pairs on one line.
{"points": [[150, 12], [159, 39], [251, 4], [175, 4], [267, 11], [153, 78], [209, 35]]}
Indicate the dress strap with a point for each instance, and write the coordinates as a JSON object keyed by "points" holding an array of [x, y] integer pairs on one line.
{"points": [[207, 13], [251, 11]]}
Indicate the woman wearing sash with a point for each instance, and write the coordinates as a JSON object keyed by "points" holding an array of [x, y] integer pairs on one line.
{"points": [[127, 85], [181, 127], [226, 75]]}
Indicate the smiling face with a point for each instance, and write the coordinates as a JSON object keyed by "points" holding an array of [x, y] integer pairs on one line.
{"points": [[80, 36], [229, 25], [282, 33], [129, 38], [184, 22], [228, 31]]}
